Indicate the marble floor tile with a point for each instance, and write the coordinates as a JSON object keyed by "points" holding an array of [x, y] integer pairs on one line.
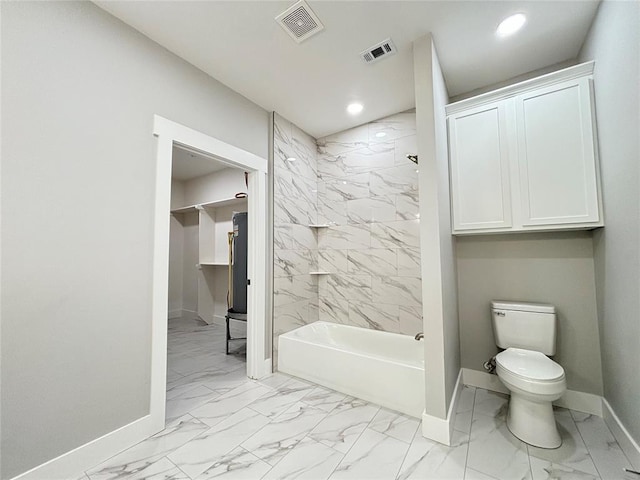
{"points": [[273, 403], [307, 460], [163, 469], [220, 408], [494, 451], [228, 426], [547, 470], [394, 424], [464, 409], [573, 453], [373, 456], [189, 400], [428, 460], [237, 465], [190, 364], [603, 448], [471, 474], [284, 432], [196, 456], [172, 375], [223, 379], [179, 389], [342, 427], [324, 398], [274, 381], [147, 452], [490, 403]]}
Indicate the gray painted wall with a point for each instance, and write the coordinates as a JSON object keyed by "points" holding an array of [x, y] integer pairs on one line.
{"points": [[450, 317], [614, 44], [555, 268], [79, 91], [438, 266]]}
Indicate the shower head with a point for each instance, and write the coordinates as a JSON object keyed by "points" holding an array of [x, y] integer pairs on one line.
{"points": [[413, 158]]}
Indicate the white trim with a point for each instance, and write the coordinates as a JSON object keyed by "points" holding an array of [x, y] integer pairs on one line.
{"points": [[175, 314], [629, 446], [441, 429], [257, 273], [581, 402], [167, 134], [221, 151], [219, 320], [570, 73], [73, 464], [268, 367], [476, 378], [572, 399]]}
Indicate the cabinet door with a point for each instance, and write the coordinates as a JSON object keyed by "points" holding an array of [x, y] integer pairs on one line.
{"points": [[479, 162], [556, 155]]}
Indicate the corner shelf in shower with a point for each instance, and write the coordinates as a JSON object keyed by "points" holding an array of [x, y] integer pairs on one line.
{"points": [[319, 273], [320, 225]]}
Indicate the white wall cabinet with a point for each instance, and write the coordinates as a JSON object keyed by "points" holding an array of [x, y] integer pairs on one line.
{"points": [[524, 158]]}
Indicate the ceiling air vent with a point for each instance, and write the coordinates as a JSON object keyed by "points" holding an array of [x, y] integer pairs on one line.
{"points": [[384, 49], [299, 21]]}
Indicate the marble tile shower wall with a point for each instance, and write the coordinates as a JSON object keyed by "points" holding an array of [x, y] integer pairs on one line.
{"points": [[361, 184], [368, 194], [295, 243]]}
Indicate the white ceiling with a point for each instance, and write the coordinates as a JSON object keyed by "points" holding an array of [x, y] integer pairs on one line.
{"points": [[240, 44], [188, 164]]}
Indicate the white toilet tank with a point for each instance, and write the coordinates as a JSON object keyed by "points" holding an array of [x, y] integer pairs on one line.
{"points": [[531, 326]]}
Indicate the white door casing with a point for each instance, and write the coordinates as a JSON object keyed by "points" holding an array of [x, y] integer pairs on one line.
{"points": [[167, 134]]}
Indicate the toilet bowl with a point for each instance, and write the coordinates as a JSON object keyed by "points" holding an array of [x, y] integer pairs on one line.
{"points": [[534, 381]]}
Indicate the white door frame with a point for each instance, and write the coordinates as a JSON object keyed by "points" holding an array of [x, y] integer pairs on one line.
{"points": [[167, 133]]}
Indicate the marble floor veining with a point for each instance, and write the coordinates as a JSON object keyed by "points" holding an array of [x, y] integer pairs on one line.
{"points": [[221, 424]]}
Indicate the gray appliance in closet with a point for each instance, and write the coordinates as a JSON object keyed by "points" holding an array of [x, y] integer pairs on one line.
{"points": [[238, 308], [240, 241]]}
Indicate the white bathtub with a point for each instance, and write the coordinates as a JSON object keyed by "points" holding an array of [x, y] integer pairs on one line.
{"points": [[380, 367]]}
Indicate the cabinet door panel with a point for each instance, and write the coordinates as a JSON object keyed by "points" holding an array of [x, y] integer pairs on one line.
{"points": [[556, 155], [479, 169]]}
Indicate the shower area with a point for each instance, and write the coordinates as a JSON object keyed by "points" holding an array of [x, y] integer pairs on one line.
{"points": [[346, 227]]}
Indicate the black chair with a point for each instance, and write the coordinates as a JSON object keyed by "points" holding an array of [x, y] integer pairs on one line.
{"points": [[240, 317]]}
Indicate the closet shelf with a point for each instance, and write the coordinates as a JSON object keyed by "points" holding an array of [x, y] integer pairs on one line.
{"points": [[225, 202]]}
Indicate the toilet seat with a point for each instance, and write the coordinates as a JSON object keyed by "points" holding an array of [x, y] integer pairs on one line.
{"points": [[530, 371]]}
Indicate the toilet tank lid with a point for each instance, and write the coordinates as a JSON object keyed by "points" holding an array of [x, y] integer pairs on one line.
{"points": [[522, 306]]}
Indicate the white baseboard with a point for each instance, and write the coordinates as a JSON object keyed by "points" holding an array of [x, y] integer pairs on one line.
{"points": [[629, 446], [476, 378], [175, 313], [219, 320], [73, 464], [581, 402], [441, 429], [572, 399], [189, 314]]}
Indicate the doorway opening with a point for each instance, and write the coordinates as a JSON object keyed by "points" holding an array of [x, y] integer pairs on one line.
{"points": [[203, 209]]}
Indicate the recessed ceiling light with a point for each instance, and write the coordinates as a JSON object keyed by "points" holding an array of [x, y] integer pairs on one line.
{"points": [[511, 25], [381, 134], [291, 159], [354, 108]]}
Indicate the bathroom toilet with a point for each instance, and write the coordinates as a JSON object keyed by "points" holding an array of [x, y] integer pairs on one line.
{"points": [[527, 333]]}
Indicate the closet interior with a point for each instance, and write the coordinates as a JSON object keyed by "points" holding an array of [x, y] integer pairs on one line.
{"points": [[205, 196]]}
